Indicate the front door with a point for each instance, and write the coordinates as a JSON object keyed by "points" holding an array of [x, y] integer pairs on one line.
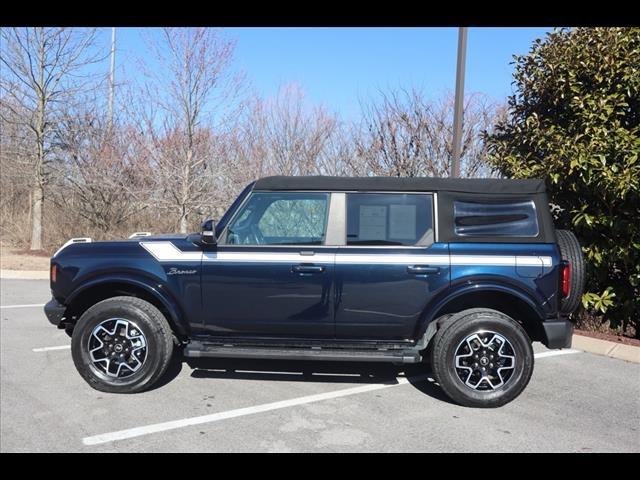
{"points": [[271, 273], [390, 267]]}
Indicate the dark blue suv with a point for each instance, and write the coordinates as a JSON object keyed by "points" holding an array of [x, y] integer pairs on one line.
{"points": [[461, 273]]}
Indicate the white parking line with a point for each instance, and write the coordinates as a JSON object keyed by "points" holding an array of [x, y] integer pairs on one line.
{"points": [[553, 353], [47, 349], [240, 412], [267, 407], [23, 306]]}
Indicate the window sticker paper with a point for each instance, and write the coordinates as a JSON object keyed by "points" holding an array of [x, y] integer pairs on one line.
{"points": [[402, 221], [373, 222]]}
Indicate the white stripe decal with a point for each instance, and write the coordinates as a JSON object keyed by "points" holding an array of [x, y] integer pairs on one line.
{"points": [[168, 252], [267, 257], [391, 258]]}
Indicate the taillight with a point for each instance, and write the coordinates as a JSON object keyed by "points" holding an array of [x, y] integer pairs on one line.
{"points": [[54, 273], [565, 283]]}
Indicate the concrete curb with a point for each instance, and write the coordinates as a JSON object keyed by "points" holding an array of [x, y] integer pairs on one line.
{"points": [[620, 351], [24, 274]]}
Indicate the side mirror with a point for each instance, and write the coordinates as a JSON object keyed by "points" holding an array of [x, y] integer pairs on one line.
{"points": [[209, 232]]}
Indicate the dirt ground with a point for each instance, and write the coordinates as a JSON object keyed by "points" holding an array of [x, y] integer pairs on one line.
{"points": [[16, 259], [610, 337]]}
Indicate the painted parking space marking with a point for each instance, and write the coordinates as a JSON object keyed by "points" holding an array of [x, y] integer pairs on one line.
{"points": [[240, 412], [23, 306], [48, 349], [267, 407], [554, 353]]}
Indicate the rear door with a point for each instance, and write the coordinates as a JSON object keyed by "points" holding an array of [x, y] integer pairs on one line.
{"points": [[390, 267]]}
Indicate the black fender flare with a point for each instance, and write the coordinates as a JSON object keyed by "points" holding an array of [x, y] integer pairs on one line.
{"points": [[437, 305], [152, 287]]}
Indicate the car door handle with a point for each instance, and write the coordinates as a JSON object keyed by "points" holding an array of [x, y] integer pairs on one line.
{"points": [[422, 269], [307, 268]]}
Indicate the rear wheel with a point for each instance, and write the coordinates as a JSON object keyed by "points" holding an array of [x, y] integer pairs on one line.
{"points": [[122, 345], [482, 358]]}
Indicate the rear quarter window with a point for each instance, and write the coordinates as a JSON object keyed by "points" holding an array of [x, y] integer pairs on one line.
{"points": [[495, 219]]}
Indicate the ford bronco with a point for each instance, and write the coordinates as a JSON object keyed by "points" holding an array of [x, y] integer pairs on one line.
{"points": [[463, 274]]}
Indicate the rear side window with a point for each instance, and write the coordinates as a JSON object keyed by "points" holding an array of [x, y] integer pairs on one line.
{"points": [[389, 219], [504, 219]]}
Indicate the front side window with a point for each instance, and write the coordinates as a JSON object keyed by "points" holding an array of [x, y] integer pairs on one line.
{"points": [[389, 219], [280, 219], [499, 219]]}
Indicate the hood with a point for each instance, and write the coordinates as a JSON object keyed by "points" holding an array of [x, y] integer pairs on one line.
{"points": [[136, 237]]}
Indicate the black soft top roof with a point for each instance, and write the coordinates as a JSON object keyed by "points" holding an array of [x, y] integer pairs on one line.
{"points": [[414, 184]]}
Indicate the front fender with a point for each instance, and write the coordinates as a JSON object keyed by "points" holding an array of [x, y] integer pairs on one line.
{"points": [[149, 285]]}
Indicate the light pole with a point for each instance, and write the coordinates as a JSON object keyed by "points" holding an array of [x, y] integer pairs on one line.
{"points": [[459, 102]]}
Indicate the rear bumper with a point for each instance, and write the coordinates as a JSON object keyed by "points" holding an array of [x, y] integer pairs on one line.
{"points": [[557, 333], [54, 311]]}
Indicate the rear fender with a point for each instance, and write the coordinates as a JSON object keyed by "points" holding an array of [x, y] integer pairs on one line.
{"points": [[453, 300]]}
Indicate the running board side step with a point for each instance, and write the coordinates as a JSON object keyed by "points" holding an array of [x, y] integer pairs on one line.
{"points": [[197, 349]]}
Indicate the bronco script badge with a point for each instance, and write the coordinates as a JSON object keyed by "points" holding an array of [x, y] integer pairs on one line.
{"points": [[176, 271]]}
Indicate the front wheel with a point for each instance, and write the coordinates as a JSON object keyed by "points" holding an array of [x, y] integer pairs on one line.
{"points": [[122, 345], [482, 358]]}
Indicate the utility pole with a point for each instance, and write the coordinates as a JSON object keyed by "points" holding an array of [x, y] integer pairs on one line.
{"points": [[112, 74], [459, 102]]}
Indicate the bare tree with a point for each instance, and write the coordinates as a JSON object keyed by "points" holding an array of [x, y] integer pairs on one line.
{"points": [[105, 178], [296, 135], [180, 148], [42, 67], [195, 84], [404, 134], [15, 187], [338, 153], [284, 135]]}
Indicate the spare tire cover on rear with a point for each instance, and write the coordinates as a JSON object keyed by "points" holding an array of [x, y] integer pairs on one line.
{"points": [[572, 253]]}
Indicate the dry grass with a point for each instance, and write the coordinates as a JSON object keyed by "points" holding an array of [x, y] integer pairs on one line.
{"points": [[18, 259]]}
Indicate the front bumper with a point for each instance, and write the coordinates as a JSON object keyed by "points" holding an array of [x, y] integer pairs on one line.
{"points": [[54, 311], [557, 333]]}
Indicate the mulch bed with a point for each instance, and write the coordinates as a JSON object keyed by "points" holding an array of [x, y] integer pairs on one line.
{"points": [[612, 338]]}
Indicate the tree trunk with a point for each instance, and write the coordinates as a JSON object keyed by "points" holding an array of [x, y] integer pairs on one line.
{"points": [[183, 222], [36, 218], [186, 181], [38, 189]]}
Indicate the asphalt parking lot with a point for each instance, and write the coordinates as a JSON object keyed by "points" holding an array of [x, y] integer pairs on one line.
{"points": [[576, 402]]}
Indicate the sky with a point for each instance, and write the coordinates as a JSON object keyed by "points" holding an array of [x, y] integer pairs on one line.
{"points": [[339, 67]]}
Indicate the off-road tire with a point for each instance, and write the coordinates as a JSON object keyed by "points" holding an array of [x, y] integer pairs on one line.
{"points": [[453, 332], [149, 320], [571, 252]]}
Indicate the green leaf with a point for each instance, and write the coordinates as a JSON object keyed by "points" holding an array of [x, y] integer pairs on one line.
{"points": [[573, 119]]}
